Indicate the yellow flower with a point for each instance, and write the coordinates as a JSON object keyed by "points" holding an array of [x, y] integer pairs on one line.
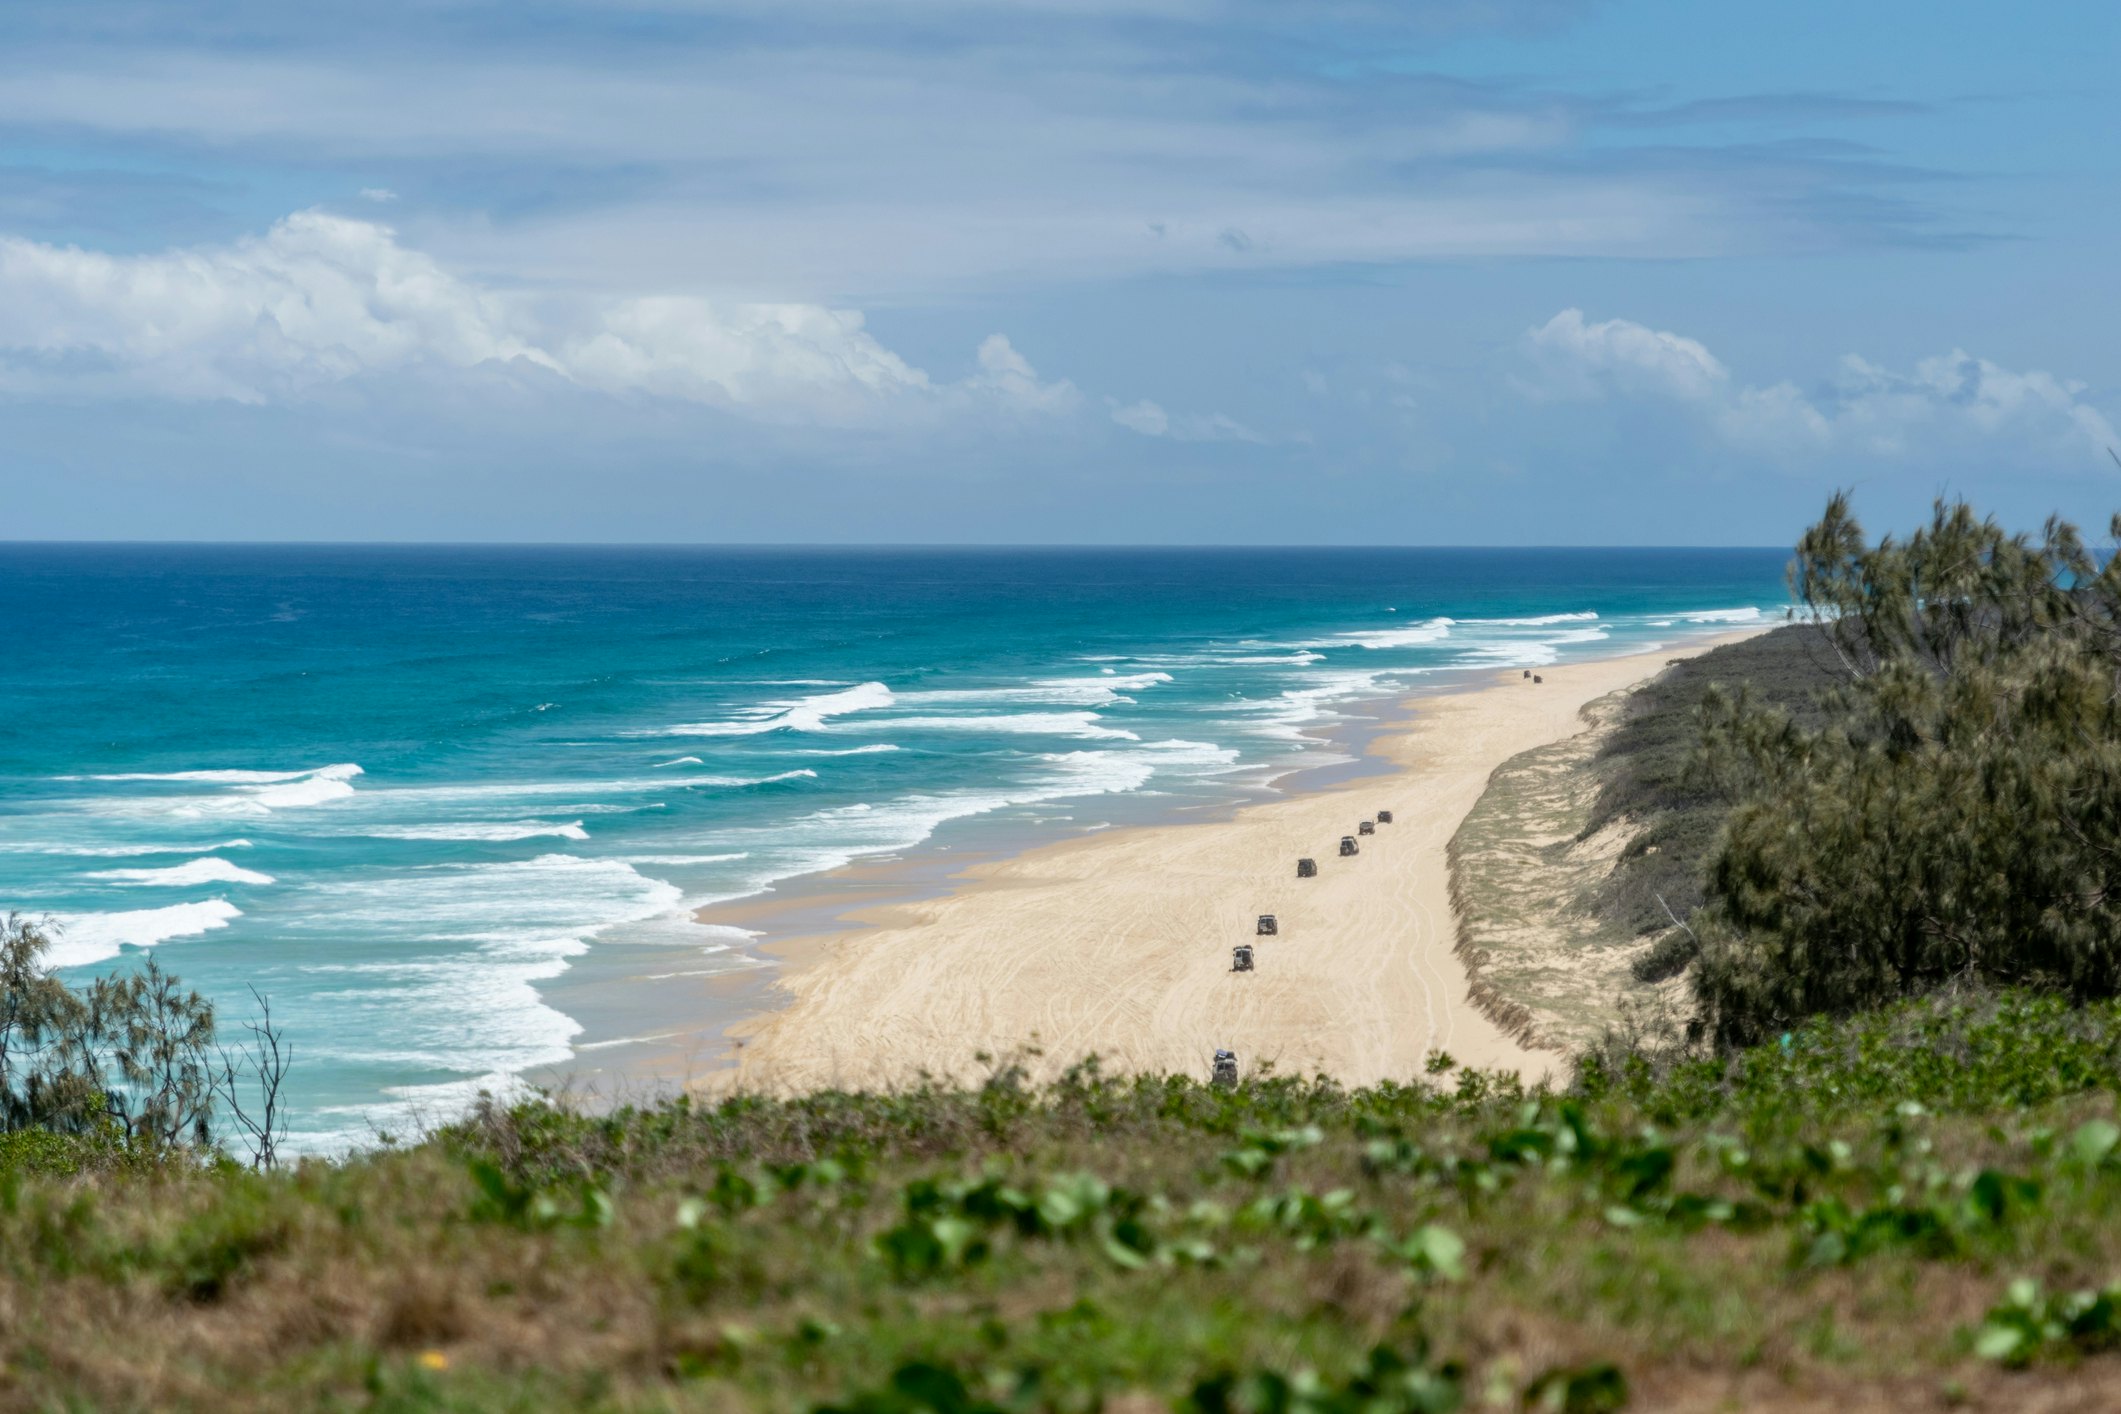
{"points": [[433, 1360]]}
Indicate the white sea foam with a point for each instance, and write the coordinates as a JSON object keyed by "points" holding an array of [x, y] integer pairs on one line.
{"points": [[1289, 657], [456, 986], [82, 938], [814, 714], [1081, 692], [310, 790], [402, 796], [250, 793], [682, 858], [682, 930], [1116, 772], [1526, 652], [618, 1041], [195, 871], [872, 749], [1538, 621], [340, 771], [1288, 716], [496, 830], [1131, 682], [1076, 724], [115, 851], [1723, 616], [807, 714], [529, 902], [827, 839], [1429, 631], [681, 761]]}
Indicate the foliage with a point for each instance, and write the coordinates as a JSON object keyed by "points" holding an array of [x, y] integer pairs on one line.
{"points": [[1958, 817], [1648, 778], [129, 1065], [132, 1049], [1826, 1217], [2029, 1323]]}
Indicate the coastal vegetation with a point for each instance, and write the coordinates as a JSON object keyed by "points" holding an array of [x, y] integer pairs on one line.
{"points": [[1869, 1160], [131, 1060], [1575, 876], [1958, 817], [1919, 784], [1911, 1208]]}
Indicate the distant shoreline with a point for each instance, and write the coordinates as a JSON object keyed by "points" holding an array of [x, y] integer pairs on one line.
{"points": [[1118, 943]]}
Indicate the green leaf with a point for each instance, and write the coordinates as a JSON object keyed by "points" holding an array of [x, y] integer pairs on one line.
{"points": [[1999, 1342], [1440, 1250], [2094, 1141], [1121, 1255]]}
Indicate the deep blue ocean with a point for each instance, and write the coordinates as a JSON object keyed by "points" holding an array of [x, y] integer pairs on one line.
{"points": [[399, 788]]}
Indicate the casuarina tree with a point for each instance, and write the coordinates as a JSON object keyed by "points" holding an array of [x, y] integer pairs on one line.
{"points": [[1959, 816]]}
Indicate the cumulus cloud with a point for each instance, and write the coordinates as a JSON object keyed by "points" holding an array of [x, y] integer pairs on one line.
{"points": [[1150, 420], [321, 300], [1862, 407], [317, 299], [1009, 377], [1582, 358], [379, 195]]}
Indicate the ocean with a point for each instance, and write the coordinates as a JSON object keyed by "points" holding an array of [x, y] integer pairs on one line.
{"points": [[401, 790]]}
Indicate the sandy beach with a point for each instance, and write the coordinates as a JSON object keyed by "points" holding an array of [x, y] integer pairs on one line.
{"points": [[1119, 945]]}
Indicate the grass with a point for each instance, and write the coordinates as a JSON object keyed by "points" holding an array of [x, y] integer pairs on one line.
{"points": [[1912, 1209]]}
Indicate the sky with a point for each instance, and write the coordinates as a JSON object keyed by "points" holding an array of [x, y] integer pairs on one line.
{"points": [[1486, 272]]}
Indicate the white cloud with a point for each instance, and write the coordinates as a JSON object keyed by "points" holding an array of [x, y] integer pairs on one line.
{"points": [[1007, 376], [1144, 417], [320, 300], [686, 348], [1585, 358], [316, 300], [1150, 420], [380, 195], [1863, 408]]}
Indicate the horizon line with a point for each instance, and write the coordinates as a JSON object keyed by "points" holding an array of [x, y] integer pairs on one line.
{"points": [[833, 545]]}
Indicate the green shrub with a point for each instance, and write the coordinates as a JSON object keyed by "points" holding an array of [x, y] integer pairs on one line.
{"points": [[1959, 817]]}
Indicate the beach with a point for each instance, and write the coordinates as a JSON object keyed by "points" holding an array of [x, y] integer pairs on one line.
{"points": [[1118, 945]]}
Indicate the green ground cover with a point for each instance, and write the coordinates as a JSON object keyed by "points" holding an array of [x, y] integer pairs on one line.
{"points": [[1914, 1208]]}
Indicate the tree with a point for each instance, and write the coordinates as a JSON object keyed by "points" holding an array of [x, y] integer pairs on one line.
{"points": [[1960, 816], [133, 1051], [40, 1022]]}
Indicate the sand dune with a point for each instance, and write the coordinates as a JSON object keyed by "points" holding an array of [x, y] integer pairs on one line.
{"points": [[1119, 945]]}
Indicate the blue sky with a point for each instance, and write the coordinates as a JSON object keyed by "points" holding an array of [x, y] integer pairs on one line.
{"points": [[1434, 271]]}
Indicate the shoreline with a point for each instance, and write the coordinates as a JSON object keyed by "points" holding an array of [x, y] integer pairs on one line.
{"points": [[639, 1039], [1118, 943]]}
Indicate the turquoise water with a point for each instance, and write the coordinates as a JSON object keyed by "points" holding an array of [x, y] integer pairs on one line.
{"points": [[397, 789]]}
